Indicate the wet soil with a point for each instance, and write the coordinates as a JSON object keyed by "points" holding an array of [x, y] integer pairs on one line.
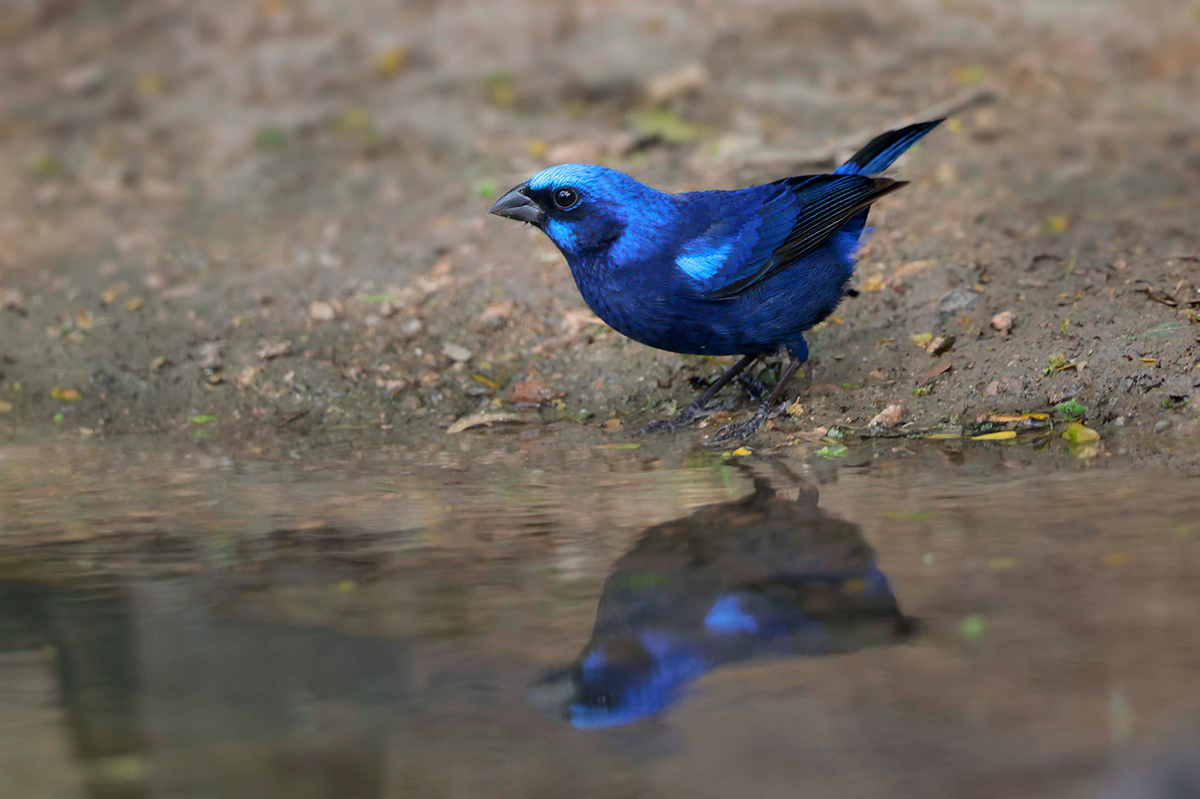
{"points": [[271, 217]]}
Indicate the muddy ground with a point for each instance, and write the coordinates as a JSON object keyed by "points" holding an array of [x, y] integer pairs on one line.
{"points": [[265, 223]]}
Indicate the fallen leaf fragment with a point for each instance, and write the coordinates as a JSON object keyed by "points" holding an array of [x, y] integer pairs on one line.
{"points": [[1003, 435], [1076, 433], [210, 355], [972, 626], [5, 406], [836, 451], [533, 392], [617, 446], [922, 339], [13, 299], [874, 283], [391, 62], [940, 345], [246, 376], [65, 394], [278, 349], [577, 319], [321, 311], [742, 452], [1003, 321], [157, 363], [456, 352], [135, 303], [612, 426], [890, 416], [941, 368], [688, 79], [489, 419]]}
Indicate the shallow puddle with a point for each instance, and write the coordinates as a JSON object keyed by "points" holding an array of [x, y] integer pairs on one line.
{"points": [[957, 624]]}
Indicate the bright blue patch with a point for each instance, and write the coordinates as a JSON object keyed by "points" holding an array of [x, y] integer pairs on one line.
{"points": [[562, 234], [572, 175], [727, 617], [700, 260], [673, 667]]}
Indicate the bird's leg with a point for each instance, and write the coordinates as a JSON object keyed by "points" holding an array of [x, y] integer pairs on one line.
{"points": [[746, 429], [697, 409]]}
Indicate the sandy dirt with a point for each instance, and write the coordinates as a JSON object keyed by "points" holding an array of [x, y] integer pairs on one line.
{"points": [[265, 222]]}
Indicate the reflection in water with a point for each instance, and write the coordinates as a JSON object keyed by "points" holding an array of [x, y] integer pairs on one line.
{"points": [[760, 577], [149, 667]]}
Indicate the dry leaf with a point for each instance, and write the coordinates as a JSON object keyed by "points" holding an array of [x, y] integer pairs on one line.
{"points": [[890, 416], [478, 419], [278, 349]]}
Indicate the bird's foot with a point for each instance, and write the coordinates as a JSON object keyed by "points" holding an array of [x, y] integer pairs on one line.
{"points": [[692, 413], [740, 431]]}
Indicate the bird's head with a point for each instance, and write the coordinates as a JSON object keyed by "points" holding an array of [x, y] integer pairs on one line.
{"points": [[582, 208]]}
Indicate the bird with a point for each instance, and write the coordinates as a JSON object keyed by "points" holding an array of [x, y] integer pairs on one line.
{"points": [[740, 272]]}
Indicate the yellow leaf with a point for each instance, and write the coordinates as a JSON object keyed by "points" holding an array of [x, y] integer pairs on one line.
{"points": [[1001, 564], [1076, 433], [391, 62], [1003, 435], [836, 320], [617, 446], [943, 436], [538, 148], [487, 381], [873, 283], [1056, 223], [742, 452], [1009, 417], [135, 303], [65, 394], [150, 84], [922, 339]]}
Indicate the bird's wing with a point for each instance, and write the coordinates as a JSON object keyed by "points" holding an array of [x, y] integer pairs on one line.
{"points": [[797, 216]]}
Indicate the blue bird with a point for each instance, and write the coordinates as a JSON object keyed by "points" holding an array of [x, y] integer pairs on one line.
{"points": [[741, 272]]}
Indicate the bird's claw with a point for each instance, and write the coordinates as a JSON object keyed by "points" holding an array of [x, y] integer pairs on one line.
{"points": [[740, 431]]}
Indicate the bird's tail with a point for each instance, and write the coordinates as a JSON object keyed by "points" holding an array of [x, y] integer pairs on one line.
{"points": [[885, 148]]}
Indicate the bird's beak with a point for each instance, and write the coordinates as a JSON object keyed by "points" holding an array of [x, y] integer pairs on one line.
{"points": [[519, 206]]}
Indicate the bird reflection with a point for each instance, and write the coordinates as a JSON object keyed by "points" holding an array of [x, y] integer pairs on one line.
{"points": [[764, 576]]}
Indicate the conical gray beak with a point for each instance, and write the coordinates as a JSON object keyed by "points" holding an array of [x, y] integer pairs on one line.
{"points": [[519, 206]]}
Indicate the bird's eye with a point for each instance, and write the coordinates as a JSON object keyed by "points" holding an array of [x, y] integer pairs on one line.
{"points": [[566, 198]]}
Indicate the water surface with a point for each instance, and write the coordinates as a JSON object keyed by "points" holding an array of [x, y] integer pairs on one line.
{"points": [[937, 623]]}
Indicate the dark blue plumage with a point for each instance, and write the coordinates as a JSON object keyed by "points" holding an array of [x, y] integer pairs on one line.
{"points": [[713, 272]]}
